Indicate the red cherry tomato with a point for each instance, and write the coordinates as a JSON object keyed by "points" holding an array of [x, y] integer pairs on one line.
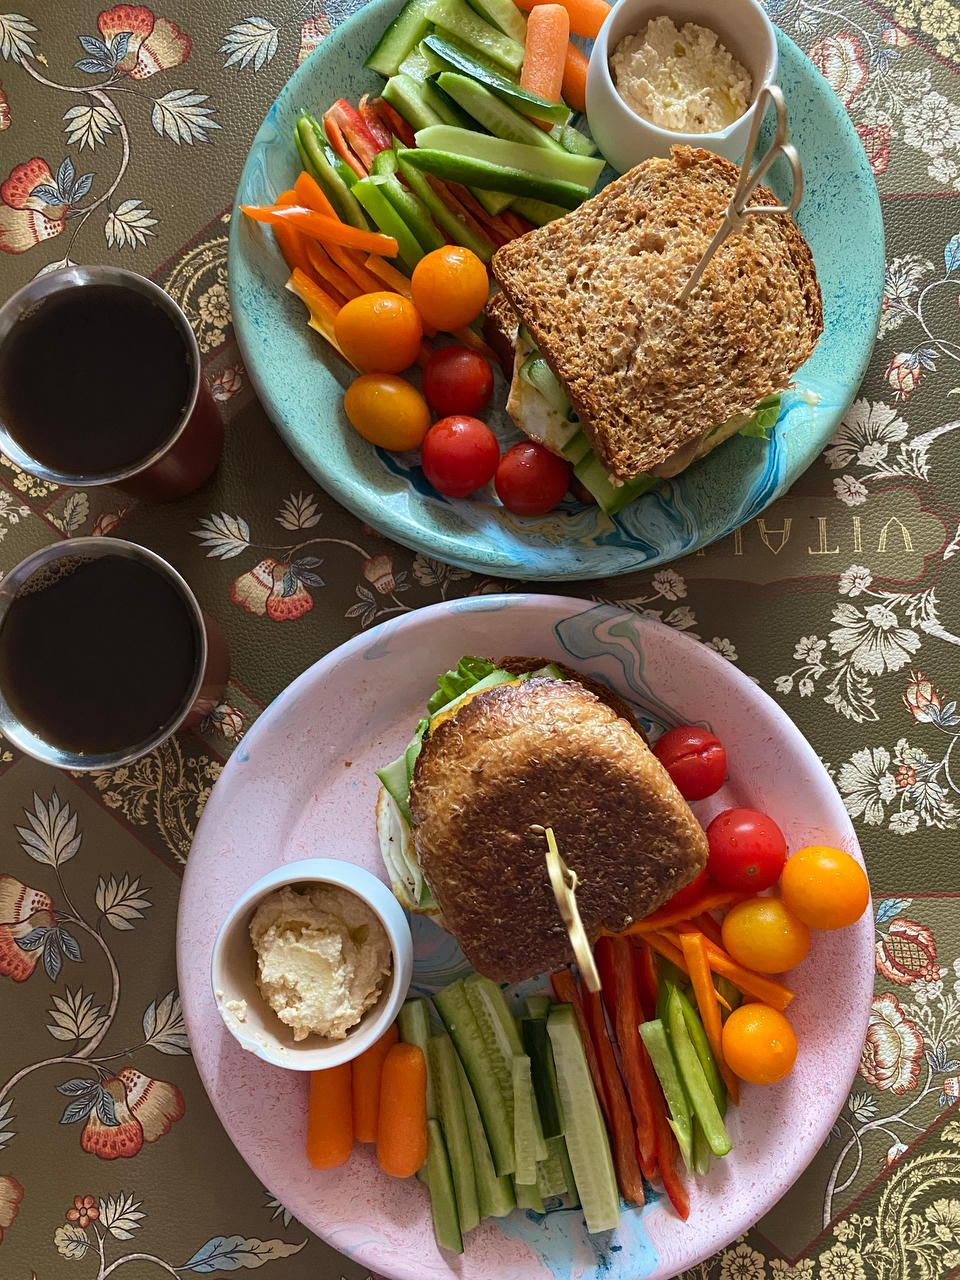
{"points": [[531, 480], [747, 850], [695, 760], [459, 454], [683, 897], [457, 380]]}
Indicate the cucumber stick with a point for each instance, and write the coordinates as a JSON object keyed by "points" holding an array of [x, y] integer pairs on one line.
{"points": [[443, 1199], [444, 217], [528, 1197], [490, 1078], [443, 1068], [405, 95], [536, 1043], [524, 1129], [539, 212], [492, 112], [561, 166], [490, 1009], [460, 58], [505, 16], [494, 177], [537, 1007], [403, 34], [552, 1172], [702, 1101], [457, 18], [494, 1195], [698, 1038], [654, 1036], [701, 1151], [586, 1134]]}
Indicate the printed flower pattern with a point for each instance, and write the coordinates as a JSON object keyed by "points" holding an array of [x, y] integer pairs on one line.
{"points": [[272, 588], [11, 1194], [894, 1047], [143, 1111], [22, 912], [154, 44], [26, 218]]}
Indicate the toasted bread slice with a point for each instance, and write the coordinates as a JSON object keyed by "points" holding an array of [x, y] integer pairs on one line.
{"points": [[500, 327], [597, 290], [516, 759]]}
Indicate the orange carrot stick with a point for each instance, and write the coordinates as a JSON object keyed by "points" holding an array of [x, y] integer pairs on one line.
{"points": [[575, 79], [695, 955], [545, 51], [402, 1127], [330, 1118], [367, 1070], [755, 984], [586, 16], [322, 227]]}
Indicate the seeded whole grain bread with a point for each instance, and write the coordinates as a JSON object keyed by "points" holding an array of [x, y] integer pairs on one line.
{"points": [[545, 753], [597, 289]]}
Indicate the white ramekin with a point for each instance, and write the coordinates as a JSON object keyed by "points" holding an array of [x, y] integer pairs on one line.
{"points": [[233, 970]]}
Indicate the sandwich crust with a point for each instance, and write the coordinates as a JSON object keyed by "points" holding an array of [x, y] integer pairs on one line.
{"points": [[597, 289], [545, 753]]}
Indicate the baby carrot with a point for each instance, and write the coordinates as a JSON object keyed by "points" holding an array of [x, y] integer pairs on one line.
{"points": [[367, 1069], [575, 79], [402, 1128], [548, 35], [330, 1119], [586, 16]]}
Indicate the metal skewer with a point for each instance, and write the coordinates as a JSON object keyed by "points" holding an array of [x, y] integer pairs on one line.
{"points": [[563, 882], [738, 210]]}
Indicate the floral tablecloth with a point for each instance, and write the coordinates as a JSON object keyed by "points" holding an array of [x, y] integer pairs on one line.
{"points": [[122, 132]]}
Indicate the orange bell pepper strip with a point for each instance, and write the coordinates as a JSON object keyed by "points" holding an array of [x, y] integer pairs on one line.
{"points": [[333, 277], [668, 916], [308, 192], [323, 309], [692, 945], [292, 245], [707, 926], [321, 227], [755, 984]]}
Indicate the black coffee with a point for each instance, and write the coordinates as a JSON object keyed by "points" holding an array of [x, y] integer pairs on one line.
{"points": [[94, 380], [97, 653]]}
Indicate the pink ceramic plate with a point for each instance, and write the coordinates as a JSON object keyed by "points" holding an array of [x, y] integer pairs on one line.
{"points": [[301, 784]]}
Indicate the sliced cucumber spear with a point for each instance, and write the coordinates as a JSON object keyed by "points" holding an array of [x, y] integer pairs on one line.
{"points": [[443, 1069], [494, 177], [443, 1200], [694, 1079], [458, 58], [559, 166], [494, 1195]]}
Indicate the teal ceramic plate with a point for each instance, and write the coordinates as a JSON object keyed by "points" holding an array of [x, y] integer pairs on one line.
{"points": [[301, 382]]}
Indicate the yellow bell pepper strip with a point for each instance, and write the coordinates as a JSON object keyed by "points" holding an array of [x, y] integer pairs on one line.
{"points": [[694, 952], [321, 227], [753, 984], [323, 310]]}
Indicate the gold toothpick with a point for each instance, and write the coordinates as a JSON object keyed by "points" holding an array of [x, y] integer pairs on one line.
{"points": [[563, 882]]}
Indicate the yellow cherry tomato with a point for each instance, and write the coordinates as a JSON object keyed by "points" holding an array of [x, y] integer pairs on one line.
{"points": [[387, 411], [762, 934], [379, 332], [450, 287], [824, 887], [758, 1044]]}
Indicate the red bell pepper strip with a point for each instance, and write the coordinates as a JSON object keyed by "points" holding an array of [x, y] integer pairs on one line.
{"points": [[350, 124], [623, 1131], [632, 1052], [339, 144], [667, 1152], [320, 227], [567, 992], [709, 927], [667, 916], [494, 225], [371, 119], [456, 207], [394, 122], [645, 975], [518, 225], [603, 958]]}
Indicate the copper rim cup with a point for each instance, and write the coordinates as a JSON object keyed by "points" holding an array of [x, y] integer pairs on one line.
{"points": [[210, 673], [188, 456]]}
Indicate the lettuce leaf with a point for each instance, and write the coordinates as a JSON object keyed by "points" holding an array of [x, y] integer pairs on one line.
{"points": [[454, 683], [763, 418]]}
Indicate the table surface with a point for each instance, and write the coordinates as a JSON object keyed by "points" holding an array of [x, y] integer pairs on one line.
{"points": [[841, 601]]}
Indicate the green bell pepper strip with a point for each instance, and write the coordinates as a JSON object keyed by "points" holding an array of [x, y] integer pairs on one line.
{"points": [[695, 1081], [654, 1036]]}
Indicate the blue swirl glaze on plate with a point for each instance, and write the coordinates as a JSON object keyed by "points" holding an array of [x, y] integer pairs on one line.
{"points": [[301, 382]]}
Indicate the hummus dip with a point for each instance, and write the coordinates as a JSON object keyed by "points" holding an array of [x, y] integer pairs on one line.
{"points": [[322, 956], [682, 80]]}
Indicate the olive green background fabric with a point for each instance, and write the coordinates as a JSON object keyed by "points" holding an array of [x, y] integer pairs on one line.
{"points": [[841, 601]]}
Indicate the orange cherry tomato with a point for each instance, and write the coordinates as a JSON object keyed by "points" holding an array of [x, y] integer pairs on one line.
{"points": [[379, 332], [387, 411], [824, 887], [759, 1044], [763, 934], [450, 287]]}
